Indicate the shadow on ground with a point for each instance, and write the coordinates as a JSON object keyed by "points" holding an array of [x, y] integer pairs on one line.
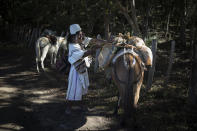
{"points": [[31, 101]]}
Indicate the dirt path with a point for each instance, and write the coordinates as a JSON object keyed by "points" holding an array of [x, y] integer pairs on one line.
{"points": [[36, 102], [31, 101]]}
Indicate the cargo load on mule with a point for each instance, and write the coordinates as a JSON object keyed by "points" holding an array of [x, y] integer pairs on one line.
{"points": [[122, 44]]}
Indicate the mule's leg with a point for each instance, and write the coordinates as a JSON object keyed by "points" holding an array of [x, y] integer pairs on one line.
{"points": [[44, 53], [136, 92], [117, 106], [55, 58], [52, 57], [37, 61]]}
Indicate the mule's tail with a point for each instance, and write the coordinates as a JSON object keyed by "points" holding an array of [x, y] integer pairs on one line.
{"points": [[129, 63]]}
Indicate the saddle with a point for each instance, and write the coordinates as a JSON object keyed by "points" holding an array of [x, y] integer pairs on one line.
{"points": [[141, 49], [52, 39], [108, 58], [143, 52]]}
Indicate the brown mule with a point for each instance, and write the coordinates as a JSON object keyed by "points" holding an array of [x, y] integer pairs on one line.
{"points": [[128, 73]]}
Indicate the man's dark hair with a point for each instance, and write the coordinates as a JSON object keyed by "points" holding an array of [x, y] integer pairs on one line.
{"points": [[71, 38]]}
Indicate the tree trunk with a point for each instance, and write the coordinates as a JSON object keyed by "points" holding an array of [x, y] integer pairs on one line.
{"points": [[152, 69], [182, 29], [170, 63], [106, 19], [132, 20], [167, 25], [32, 37], [146, 21]]}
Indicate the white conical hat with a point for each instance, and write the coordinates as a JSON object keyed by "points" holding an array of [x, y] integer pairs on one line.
{"points": [[74, 28]]}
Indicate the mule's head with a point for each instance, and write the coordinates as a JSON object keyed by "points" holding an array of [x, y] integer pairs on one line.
{"points": [[104, 57], [106, 53]]}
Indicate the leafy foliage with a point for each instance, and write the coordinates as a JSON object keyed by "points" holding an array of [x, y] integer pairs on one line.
{"points": [[92, 14]]}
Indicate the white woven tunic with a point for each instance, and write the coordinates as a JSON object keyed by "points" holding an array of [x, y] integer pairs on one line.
{"points": [[77, 83]]}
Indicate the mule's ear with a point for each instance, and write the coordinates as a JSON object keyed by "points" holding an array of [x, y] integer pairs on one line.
{"points": [[99, 37], [62, 34], [120, 34], [67, 33]]}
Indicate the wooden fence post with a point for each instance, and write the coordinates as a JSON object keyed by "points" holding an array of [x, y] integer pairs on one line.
{"points": [[29, 34], [39, 32], [11, 31], [32, 36], [18, 33], [23, 33], [170, 63], [36, 35], [14, 33], [152, 69], [192, 92], [26, 34]]}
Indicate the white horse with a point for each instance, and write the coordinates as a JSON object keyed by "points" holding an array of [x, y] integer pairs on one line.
{"points": [[43, 46]]}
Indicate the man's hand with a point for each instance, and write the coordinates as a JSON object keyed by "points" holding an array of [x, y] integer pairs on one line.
{"points": [[87, 53]]}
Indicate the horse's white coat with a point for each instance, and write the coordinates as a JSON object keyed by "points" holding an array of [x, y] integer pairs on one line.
{"points": [[43, 46]]}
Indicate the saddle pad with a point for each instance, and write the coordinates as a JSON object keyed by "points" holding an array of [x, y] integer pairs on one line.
{"points": [[122, 52]]}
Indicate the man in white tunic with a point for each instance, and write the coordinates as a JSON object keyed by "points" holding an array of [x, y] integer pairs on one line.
{"points": [[78, 80]]}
